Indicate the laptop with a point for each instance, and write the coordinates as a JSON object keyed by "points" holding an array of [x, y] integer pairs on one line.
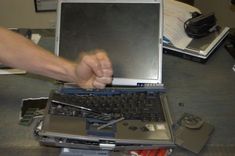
{"points": [[198, 50], [131, 33]]}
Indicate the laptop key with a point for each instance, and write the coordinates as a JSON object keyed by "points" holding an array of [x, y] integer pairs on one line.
{"points": [[132, 106]]}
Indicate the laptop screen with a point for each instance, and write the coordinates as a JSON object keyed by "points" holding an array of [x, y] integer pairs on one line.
{"points": [[128, 32]]}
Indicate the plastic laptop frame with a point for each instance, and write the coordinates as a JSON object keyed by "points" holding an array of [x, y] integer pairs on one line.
{"points": [[120, 81]]}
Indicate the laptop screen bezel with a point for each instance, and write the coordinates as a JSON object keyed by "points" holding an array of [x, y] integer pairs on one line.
{"points": [[119, 81]]}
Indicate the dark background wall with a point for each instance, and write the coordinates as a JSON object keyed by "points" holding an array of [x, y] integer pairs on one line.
{"points": [[15, 13]]}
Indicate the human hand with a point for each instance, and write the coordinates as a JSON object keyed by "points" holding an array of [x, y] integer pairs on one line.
{"points": [[94, 70]]}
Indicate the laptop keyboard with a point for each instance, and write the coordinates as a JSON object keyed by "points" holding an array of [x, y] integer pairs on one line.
{"points": [[130, 106]]}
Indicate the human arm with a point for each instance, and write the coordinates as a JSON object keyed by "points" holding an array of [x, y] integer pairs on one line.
{"points": [[93, 70]]}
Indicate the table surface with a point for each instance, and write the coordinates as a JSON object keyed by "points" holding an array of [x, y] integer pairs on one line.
{"points": [[206, 90]]}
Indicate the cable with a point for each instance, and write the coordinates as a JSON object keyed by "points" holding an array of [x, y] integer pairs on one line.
{"points": [[200, 25]]}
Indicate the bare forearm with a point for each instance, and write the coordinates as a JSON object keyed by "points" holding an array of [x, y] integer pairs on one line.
{"points": [[17, 51]]}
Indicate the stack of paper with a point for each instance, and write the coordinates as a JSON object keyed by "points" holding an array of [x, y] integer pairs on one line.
{"points": [[175, 14]]}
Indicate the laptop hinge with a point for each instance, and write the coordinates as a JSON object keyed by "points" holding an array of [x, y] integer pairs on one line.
{"points": [[107, 145]]}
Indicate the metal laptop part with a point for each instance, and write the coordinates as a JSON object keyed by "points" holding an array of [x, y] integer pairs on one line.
{"points": [[110, 123], [193, 132]]}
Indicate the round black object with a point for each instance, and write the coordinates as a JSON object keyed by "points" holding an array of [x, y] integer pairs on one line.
{"points": [[233, 1]]}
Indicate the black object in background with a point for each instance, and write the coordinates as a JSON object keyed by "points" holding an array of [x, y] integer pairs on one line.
{"points": [[200, 25], [190, 2], [233, 1], [25, 32], [45, 5], [230, 44]]}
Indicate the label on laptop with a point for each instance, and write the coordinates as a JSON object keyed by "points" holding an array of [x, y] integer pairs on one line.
{"points": [[160, 126], [154, 127], [150, 127]]}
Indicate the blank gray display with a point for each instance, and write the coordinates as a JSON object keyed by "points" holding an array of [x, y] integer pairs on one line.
{"points": [[128, 32]]}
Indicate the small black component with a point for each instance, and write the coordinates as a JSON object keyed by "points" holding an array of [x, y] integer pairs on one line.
{"points": [[196, 14], [27, 118], [125, 124], [200, 25], [31, 108], [133, 128], [191, 121], [230, 43], [144, 129], [24, 32]]}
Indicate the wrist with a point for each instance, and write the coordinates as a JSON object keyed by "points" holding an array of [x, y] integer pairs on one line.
{"points": [[71, 72]]}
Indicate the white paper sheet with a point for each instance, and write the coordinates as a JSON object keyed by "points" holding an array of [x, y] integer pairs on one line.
{"points": [[175, 14]]}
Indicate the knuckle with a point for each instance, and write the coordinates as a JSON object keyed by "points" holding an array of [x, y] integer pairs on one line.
{"points": [[86, 58]]}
